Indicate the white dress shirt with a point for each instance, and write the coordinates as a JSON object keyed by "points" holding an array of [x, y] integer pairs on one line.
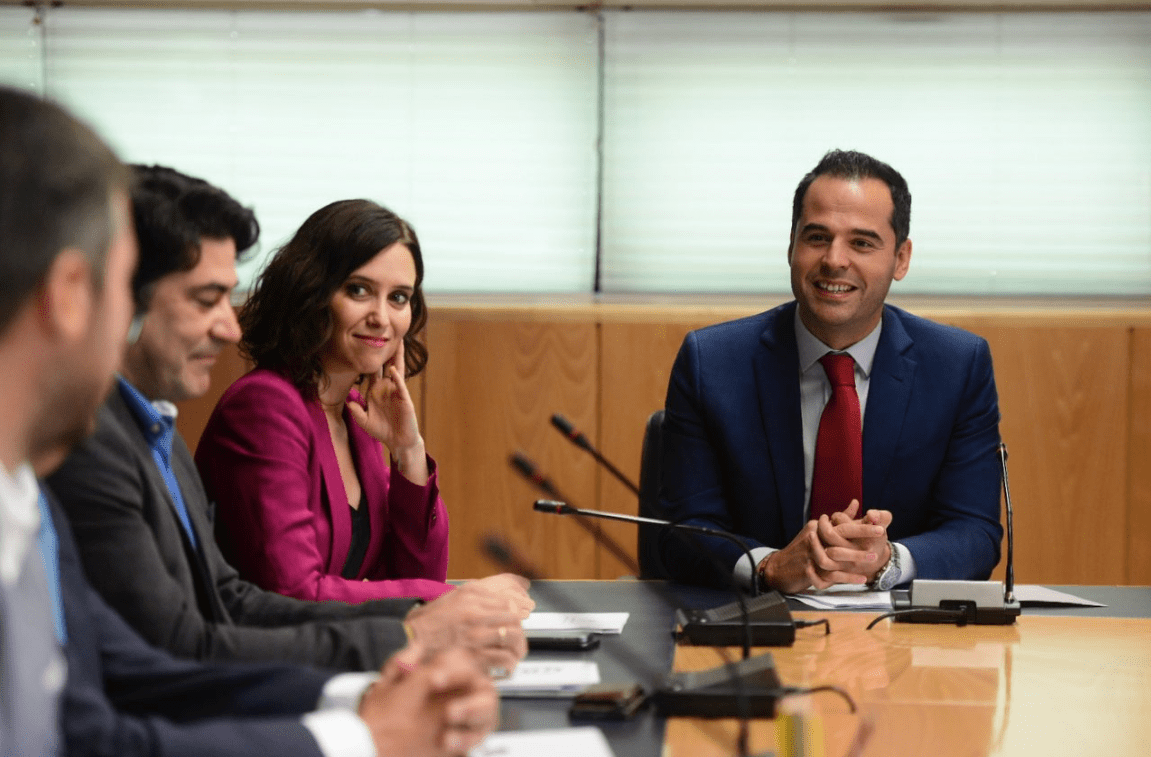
{"points": [[32, 666]]}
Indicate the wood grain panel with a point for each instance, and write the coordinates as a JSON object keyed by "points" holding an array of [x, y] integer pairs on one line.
{"points": [[637, 360], [491, 387], [1139, 461], [1063, 398]]}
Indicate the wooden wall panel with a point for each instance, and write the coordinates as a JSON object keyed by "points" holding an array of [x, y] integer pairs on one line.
{"points": [[1063, 398], [491, 388], [637, 359], [1139, 461]]}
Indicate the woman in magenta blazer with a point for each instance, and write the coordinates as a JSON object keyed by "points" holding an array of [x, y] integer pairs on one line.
{"points": [[296, 452]]}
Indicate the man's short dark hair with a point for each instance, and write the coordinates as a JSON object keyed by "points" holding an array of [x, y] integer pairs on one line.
{"points": [[853, 166], [57, 178], [173, 212]]}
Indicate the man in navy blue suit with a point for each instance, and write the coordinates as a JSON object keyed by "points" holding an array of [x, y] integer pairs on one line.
{"points": [[745, 400], [67, 253]]}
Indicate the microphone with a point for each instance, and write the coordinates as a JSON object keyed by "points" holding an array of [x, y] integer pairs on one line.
{"points": [[576, 437], [768, 621], [748, 688], [532, 473], [983, 603]]}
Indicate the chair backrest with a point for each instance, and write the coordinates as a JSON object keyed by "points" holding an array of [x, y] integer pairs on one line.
{"points": [[651, 461]]}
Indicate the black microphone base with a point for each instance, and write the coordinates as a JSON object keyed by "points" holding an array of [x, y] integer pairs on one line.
{"points": [[715, 693], [770, 623], [779, 634], [971, 615]]}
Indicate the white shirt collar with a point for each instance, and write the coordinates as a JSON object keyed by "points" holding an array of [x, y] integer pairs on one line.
{"points": [[19, 519], [811, 349]]}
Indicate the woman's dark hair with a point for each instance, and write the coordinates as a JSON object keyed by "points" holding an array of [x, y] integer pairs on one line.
{"points": [[288, 318]]}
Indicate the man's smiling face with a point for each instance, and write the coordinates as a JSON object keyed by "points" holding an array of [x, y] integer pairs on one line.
{"points": [[843, 258]]}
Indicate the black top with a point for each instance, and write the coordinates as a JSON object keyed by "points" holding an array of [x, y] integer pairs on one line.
{"points": [[361, 535]]}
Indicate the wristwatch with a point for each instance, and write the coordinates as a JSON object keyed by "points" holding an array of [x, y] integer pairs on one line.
{"points": [[888, 576]]}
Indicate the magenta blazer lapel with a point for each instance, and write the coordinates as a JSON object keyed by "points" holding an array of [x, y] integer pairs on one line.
{"points": [[334, 487]]}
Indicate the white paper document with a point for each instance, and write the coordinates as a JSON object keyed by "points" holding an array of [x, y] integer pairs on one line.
{"points": [[586, 741], [595, 622], [549, 678], [846, 597], [1030, 594]]}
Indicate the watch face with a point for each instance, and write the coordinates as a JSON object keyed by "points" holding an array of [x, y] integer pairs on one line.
{"points": [[887, 580]]}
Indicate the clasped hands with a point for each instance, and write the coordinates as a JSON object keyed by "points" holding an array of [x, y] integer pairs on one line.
{"points": [[840, 549], [435, 697]]}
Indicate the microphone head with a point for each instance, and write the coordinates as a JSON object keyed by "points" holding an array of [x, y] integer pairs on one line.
{"points": [[531, 472], [503, 554], [521, 463], [563, 424], [552, 506], [568, 429], [496, 548]]}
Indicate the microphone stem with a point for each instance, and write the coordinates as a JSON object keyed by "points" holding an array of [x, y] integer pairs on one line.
{"points": [[1009, 589], [674, 527], [615, 471]]}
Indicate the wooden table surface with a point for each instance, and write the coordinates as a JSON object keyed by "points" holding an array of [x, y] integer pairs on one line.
{"points": [[1045, 686]]}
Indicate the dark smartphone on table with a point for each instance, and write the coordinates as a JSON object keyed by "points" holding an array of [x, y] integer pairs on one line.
{"points": [[561, 641]]}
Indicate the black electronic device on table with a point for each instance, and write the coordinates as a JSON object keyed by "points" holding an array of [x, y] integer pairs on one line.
{"points": [[769, 623], [561, 641]]}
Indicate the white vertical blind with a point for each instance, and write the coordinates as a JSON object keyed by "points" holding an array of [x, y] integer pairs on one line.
{"points": [[1026, 139], [478, 128], [20, 48]]}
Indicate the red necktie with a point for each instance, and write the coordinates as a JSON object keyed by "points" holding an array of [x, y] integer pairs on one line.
{"points": [[837, 477]]}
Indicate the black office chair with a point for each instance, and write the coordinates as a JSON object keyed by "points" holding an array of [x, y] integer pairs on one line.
{"points": [[650, 565]]}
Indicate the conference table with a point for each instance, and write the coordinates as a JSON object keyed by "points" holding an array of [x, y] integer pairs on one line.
{"points": [[1061, 681]]}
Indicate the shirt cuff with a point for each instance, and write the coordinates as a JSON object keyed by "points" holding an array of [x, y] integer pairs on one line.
{"points": [[340, 733], [344, 691], [906, 564], [744, 572]]}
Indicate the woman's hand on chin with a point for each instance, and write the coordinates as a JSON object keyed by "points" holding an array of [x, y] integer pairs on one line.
{"points": [[389, 415]]}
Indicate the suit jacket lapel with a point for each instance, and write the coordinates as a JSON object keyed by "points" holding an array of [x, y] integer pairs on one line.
{"points": [[777, 377], [206, 582], [892, 376], [333, 486]]}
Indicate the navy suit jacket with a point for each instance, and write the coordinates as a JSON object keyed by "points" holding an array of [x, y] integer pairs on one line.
{"points": [[126, 699], [733, 443]]}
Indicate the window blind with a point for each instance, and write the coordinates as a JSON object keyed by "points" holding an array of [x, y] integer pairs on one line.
{"points": [[479, 128], [1025, 138]]}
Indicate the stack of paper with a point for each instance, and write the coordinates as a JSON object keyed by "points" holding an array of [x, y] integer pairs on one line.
{"points": [[587, 741], [594, 622], [846, 597], [549, 678]]}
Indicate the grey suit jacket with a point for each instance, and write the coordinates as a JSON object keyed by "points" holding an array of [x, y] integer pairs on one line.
{"points": [[188, 601]]}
